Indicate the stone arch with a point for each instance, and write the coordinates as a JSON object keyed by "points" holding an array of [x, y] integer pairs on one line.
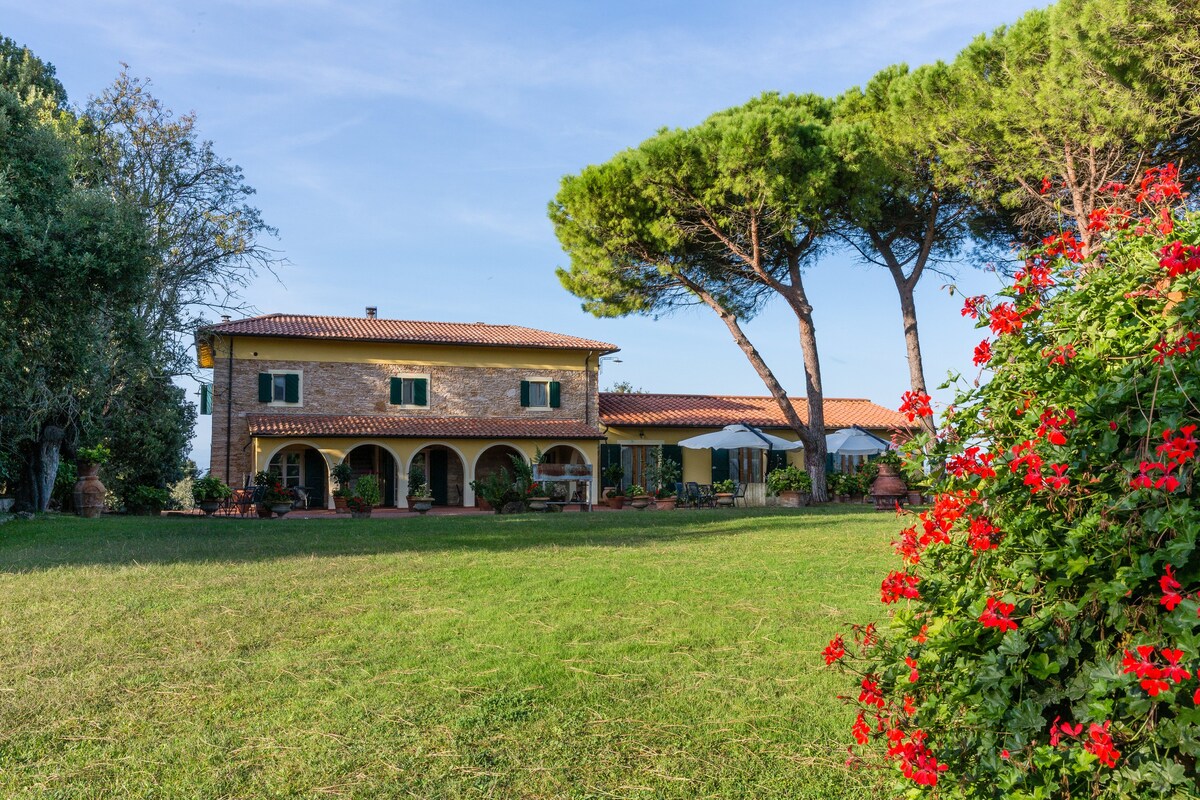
{"points": [[449, 485], [324, 489], [389, 484]]}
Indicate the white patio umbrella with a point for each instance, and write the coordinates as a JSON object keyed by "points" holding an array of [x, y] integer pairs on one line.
{"points": [[854, 442], [732, 437]]}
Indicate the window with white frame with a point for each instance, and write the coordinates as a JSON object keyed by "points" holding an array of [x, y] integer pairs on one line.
{"points": [[286, 468]]}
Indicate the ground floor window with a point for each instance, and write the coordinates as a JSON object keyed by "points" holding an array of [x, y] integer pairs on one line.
{"points": [[286, 468], [634, 460], [746, 465]]}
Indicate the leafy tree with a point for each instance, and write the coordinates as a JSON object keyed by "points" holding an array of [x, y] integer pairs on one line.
{"points": [[727, 214], [904, 214], [72, 262], [148, 424], [28, 77], [625, 387], [205, 237], [1031, 101]]}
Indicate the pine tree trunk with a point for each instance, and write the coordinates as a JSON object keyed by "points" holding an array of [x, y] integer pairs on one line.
{"points": [[912, 345]]}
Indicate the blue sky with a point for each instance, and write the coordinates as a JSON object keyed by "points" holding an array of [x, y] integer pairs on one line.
{"points": [[406, 151]]}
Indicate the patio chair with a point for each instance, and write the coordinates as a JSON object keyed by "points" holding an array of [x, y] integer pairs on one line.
{"points": [[681, 495], [739, 493], [708, 498], [693, 494]]}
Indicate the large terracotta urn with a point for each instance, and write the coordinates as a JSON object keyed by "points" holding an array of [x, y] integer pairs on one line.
{"points": [[888, 488], [89, 491]]}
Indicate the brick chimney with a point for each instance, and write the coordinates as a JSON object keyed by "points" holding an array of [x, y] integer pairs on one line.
{"points": [[372, 312], [225, 318]]}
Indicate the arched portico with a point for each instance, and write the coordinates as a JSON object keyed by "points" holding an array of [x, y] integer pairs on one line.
{"points": [[302, 464], [445, 469], [376, 458]]}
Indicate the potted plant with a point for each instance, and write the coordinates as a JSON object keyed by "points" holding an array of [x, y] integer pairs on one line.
{"points": [[416, 486], [665, 498], [88, 492], [358, 508], [278, 499], [538, 496], [208, 492], [614, 497], [889, 488], [639, 499], [792, 485], [724, 492], [366, 490], [147, 500], [341, 473], [263, 481], [612, 476]]}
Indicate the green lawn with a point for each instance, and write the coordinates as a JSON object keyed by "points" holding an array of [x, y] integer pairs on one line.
{"points": [[633, 654]]}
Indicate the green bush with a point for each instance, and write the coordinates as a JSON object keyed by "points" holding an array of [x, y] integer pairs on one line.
{"points": [[498, 489], [210, 487], [1044, 640], [367, 488], [146, 500], [788, 479]]}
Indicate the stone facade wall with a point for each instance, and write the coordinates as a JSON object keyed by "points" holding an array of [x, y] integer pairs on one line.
{"points": [[363, 389]]}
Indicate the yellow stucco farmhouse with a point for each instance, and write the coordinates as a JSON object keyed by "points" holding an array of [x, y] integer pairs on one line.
{"points": [[297, 394]]}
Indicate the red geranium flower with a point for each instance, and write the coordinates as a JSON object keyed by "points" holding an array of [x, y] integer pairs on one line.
{"points": [[996, 615]]}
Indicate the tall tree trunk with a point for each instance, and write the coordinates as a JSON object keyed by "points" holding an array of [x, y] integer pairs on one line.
{"points": [[39, 470], [912, 345], [814, 450]]}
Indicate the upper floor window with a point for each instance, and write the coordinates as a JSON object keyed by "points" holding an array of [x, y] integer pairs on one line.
{"points": [[540, 394], [279, 388], [410, 391]]}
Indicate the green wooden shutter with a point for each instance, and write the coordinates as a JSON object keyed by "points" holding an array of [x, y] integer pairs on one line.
{"points": [[206, 398], [555, 394], [609, 454], [720, 465], [776, 459], [396, 392], [266, 383], [829, 463], [291, 388], [420, 392], [524, 394]]}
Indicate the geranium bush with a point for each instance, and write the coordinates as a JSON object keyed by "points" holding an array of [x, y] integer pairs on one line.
{"points": [[1043, 638]]}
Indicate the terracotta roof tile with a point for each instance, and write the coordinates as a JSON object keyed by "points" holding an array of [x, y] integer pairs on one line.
{"points": [[279, 425], [365, 329], [715, 411]]}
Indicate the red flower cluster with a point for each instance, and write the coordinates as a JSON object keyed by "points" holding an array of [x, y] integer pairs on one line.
{"points": [[861, 730], [1170, 589], [834, 651], [897, 585], [1100, 744], [870, 694], [1176, 450], [1057, 729], [1178, 259], [983, 535], [1059, 480], [1160, 184], [1006, 319], [1180, 347], [1060, 355], [1155, 679], [983, 353], [1032, 463], [1052, 425], [1103, 219], [971, 462], [917, 762], [971, 306], [915, 405], [1064, 244], [1034, 277], [997, 615]]}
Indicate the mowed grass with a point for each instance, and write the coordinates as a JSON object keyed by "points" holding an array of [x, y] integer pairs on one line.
{"points": [[633, 654]]}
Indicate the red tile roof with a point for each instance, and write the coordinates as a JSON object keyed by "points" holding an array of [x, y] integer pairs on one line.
{"points": [[715, 411], [277, 425], [366, 329]]}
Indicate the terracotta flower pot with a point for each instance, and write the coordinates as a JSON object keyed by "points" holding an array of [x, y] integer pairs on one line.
{"points": [[616, 502], [666, 503], [789, 499], [339, 504], [724, 498], [888, 488], [640, 501], [89, 492]]}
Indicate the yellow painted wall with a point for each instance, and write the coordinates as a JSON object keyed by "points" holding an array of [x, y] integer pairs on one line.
{"points": [[269, 349], [697, 464]]}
